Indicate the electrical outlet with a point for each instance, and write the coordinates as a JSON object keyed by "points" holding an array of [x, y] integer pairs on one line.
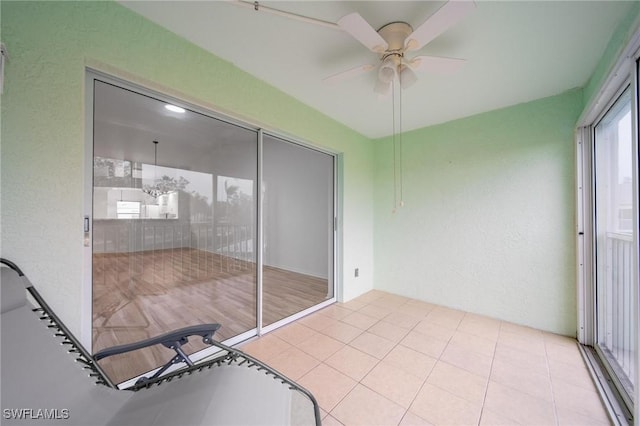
{"points": [[357, 272]]}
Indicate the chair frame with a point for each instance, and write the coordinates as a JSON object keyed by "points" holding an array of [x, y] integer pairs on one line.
{"points": [[173, 340]]}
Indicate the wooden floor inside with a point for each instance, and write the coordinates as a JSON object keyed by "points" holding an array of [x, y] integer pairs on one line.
{"points": [[144, 294]]}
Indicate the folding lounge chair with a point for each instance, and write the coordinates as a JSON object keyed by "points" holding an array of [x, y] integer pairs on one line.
{"points": [[41, 384]]}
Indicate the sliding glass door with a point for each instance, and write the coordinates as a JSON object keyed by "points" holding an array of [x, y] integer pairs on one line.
{"points": [[178, 237], [614, 239], [298, 228], [174, 214]]}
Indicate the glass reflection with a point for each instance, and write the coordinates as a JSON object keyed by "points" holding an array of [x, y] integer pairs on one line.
{"points": [[173, 229]]}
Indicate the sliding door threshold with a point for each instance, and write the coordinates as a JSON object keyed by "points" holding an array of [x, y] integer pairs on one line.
{"points": [[611, 398]]}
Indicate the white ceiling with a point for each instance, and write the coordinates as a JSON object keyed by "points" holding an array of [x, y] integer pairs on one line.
{"points": [[516, 51]]}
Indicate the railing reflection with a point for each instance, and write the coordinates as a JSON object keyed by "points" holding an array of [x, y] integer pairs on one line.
{"points": [[233, 242], [617, 332]]}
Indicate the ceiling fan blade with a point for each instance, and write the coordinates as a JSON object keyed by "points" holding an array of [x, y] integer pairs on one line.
{"points": [[345, 75], [360, 29], [448, 15], [436, 64]]}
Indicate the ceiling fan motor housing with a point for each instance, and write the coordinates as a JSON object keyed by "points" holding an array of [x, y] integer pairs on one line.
{"points": [[395, 35]]}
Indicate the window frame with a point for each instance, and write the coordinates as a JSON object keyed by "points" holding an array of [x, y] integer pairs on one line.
{"points": [[623, 74]]}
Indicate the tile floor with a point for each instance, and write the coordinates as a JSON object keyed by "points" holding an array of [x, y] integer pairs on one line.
{"points": [[383, 359]]}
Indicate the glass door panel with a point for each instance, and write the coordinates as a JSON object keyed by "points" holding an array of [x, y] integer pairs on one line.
{"points": [[298, 228], [615, 308], [174, 225]]}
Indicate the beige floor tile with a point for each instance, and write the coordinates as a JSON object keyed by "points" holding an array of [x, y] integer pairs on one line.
{"points": [[575, 398], [411, 361], [294, 333], [317, 321], [320, 346], [472, 361], [532, 343], [402, 320], [564, 353], [331, 421], [336, 311], [293, 363], [370, 296], [411, 419], [373, 345], [371, 358], [431, 329], [266, 347], [491, 418], [473, 343], [572, 418], [413, 310], [481, 319], [558, 339], [440, 407], [393, 383], [513, 375], [353, 305], [529, 361], [418, 306], [327, 385], [427, 345], [518, 406], [342, 332], [459, 382], [574, 373], [365, 407], [480, 326], [520, 329], [446, 317], [359, 320], [391, 301], [388, 331], [352, 362], [323, 413], [374, 311]]}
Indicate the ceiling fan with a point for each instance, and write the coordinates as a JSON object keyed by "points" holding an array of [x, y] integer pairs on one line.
{"points": [[393, 40]]}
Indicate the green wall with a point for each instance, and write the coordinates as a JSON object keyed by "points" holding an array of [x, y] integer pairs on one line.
{"points": [[43, 132], [488, 222]]}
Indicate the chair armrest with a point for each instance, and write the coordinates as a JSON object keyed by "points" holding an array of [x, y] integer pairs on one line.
{"points": [[170, 340]]}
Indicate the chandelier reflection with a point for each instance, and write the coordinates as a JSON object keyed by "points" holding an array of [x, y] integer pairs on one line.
{"points": [[162, 186]]}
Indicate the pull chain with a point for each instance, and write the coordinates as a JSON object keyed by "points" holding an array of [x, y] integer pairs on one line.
{"points": [[393, 119], [400, 145]]}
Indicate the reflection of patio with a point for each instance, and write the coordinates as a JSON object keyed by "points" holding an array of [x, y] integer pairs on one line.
{"points": [[143, 294]]}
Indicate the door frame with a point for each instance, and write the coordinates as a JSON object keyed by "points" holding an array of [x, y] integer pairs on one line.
{"points": [[623, 74]]}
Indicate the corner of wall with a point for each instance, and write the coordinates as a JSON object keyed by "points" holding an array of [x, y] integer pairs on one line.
{"points": [[619, 39]]}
